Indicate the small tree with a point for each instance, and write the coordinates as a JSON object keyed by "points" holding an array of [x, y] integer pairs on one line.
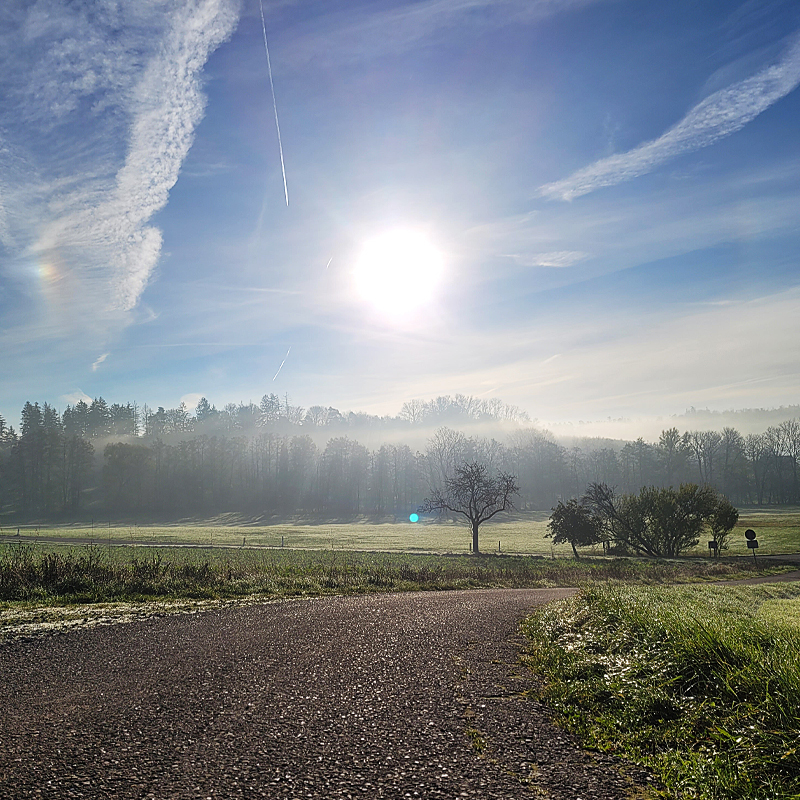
{"points": [[722, 521], [474, 494], [571, 522]]}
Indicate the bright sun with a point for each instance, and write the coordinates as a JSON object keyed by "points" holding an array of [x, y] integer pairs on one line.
{"points": [[398, 272]]}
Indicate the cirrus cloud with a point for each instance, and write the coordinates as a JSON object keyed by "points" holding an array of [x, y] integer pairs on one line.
{"points": [[722, 113], [113, 94]]}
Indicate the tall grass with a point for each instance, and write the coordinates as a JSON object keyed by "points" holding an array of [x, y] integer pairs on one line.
{"points": [[693, 681], [88, 574]]}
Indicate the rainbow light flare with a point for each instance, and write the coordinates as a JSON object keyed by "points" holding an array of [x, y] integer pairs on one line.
{"points": [[50, 280]]}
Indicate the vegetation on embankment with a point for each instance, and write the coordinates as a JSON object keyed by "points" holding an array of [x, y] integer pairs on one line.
{"points": [[57, 575], [700, 683]]}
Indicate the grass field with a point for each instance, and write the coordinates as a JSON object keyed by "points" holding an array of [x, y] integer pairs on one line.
{"points": [[518, 535], [778, 532], [700, 683]]}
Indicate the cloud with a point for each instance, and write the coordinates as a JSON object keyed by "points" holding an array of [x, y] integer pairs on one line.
{"points": [[99, 361], [722, 113], [75, 397], [670, 363], [558, 258], [743, 205], [106, 106], [192, 399], [355, 36]]}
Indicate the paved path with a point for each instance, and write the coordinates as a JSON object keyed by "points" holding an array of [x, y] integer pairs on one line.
{"points": [[388, 696]]}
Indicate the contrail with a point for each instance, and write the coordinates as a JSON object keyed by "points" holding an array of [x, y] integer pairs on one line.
{"points": [[282, 363], [274, 105], [329, 262]]}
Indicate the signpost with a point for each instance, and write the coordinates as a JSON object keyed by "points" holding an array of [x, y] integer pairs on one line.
{"points": [[752, 542]]}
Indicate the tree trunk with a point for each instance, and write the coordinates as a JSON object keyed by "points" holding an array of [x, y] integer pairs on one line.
{"points": [[574, 550], [475, 549]]}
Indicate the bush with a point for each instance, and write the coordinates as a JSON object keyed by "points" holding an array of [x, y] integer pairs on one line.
{"points": [[662, 522]]}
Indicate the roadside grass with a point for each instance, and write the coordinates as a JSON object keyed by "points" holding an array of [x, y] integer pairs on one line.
{"points": [[46, 576], [524, 533], [699, 683], [782, 611]]}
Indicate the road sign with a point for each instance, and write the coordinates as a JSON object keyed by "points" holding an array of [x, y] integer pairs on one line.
{"points": [[752, 542]]}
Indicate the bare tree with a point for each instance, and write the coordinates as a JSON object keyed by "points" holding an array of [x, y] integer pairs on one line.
{"points": [[447, 449], [791, 443], [670, 447], [757, 450], [475, 494]]}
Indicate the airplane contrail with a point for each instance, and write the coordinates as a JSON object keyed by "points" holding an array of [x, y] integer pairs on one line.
{"points": [[274, 104], [282, 363], [329, 262]]}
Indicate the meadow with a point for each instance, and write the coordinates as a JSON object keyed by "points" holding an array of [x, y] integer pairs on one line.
{"points": [[778, 532], [699, 683]]}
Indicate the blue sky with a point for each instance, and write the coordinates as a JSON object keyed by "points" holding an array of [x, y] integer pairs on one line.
{"points": [[612, 189]]}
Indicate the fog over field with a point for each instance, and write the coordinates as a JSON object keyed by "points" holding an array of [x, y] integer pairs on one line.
{"points": [[276, 461]]}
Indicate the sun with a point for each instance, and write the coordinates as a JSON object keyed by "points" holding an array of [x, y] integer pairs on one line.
{"points": [[398, 272]]}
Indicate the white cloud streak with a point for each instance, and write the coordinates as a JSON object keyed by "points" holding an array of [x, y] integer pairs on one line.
{"points": [[107, 107], [99, 361], [682, 217], [557, 258], [722, 113], [167, 106], [73, 398]]}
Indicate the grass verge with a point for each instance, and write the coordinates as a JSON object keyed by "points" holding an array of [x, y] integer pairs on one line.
{"points": [[38, 580], [92, 573], [699, 683]]}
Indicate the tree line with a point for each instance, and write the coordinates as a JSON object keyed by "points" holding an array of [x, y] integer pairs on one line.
{"points": [[278, 459]]}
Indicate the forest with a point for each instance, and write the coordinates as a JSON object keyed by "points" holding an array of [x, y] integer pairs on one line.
{"points": [[278, 460]]}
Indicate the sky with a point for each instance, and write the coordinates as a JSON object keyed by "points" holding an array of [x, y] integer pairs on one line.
{"points": [[589, 209]]}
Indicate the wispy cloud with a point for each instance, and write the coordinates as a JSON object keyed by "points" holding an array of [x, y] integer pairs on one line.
{"points": [[353, 36], [722, 113], [99, 361], [116, 93], [75, 397], [681, 217], [558, 258], [192, 399]]}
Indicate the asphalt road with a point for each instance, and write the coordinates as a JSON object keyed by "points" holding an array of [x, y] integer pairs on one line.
{"points": [[391, 696]]}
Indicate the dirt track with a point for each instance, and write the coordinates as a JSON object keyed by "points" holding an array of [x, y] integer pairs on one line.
{"points": [[381, 696]]}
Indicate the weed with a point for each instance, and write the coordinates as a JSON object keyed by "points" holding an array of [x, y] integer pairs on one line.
{"points": [[477, 740]]}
